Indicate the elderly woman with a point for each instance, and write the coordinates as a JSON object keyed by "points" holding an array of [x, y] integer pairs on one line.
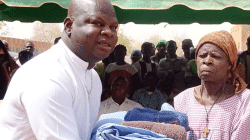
{"points": [[219, 108]]}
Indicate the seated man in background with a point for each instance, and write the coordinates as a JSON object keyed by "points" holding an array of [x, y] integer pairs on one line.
{"points": [[149, 96], [166, 87], [121, 68], [118, 101]]}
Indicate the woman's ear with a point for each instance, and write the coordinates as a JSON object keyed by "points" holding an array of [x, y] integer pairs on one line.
{"points": [[229, 67]]}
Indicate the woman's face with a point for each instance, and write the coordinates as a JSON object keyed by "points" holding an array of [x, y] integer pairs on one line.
{"points": [[212, 63]]}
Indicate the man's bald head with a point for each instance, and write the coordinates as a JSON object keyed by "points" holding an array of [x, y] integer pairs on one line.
{"points": [[90, 30], [78, 7]]}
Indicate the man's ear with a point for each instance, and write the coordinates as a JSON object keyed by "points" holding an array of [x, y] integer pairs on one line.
{"points": [[68, 22]]}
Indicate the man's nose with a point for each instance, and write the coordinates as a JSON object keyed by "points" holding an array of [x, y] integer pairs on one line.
{"points": [[108, 32]]}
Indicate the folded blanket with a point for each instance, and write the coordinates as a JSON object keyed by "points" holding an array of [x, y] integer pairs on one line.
{"points": [[116, 117], [167, 107], [112, 131], [147, 114], [173, 131]]}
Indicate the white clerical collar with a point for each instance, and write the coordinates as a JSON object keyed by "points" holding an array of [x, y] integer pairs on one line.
{"points": [[76, 61]]}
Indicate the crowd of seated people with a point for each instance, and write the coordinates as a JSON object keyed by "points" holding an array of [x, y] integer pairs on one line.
{"points": [[152, 78]]}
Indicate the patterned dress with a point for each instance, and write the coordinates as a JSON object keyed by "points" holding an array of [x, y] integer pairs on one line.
{"points": [[228, 119]]}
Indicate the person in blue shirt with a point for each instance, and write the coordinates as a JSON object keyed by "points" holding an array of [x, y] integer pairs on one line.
{"points": [[149, 96]]}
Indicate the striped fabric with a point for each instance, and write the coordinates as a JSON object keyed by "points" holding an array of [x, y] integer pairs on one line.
{"points": [[228, 119]]}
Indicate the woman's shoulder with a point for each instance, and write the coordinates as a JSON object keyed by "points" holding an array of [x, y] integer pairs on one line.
{"points": [[185, 94], [182, 100], [245, 96]]}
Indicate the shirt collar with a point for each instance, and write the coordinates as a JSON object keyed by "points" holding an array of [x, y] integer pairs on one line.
{"points": [[110, 101], [76, 61]]}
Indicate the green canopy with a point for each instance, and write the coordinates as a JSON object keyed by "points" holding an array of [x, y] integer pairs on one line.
{"points": [[137, 11]]}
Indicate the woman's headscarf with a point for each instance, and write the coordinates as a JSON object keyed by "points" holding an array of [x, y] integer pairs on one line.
{"points": [[225, 41]]}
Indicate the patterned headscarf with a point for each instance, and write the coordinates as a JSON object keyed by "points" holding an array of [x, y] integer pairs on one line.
{"points": [[225, 41]]}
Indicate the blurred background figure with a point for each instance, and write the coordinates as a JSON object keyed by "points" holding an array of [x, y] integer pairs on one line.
{"points": [[5, 69], [161, 51], [166, 87], [191, 77], [100, 68], [136, 55], [24, 56], [121, 68], [240, 68], [12, 54], [244, 58], [173, 63], [146, 64], [186, 45], [28, 46], [4, 81], [149, 96], [6, 60]]}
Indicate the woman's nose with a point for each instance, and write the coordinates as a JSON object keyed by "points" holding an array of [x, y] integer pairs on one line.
{"points": [[208, 60]]}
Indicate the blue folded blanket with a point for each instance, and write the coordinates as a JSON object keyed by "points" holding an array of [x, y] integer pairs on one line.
{"points": [[116, 117], [147, 114], [112, 131]]}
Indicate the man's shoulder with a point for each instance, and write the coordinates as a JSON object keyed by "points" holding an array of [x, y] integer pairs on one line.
{"points": [[106, 102], [157, 91], [141, 90], [163, 60], [131, 69], [243, 54], [136, 64], [111, 67]]}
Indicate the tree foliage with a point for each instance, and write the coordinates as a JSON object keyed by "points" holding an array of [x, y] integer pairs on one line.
{"points": [[4, 29], [124, 40], [46, 32]]}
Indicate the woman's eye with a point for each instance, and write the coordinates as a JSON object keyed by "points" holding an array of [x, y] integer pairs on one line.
{"points": [[216, 56], [97, 23], [202, 55]]}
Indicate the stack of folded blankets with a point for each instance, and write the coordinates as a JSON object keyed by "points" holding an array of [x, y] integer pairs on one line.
{"points": [[142, 123]]}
